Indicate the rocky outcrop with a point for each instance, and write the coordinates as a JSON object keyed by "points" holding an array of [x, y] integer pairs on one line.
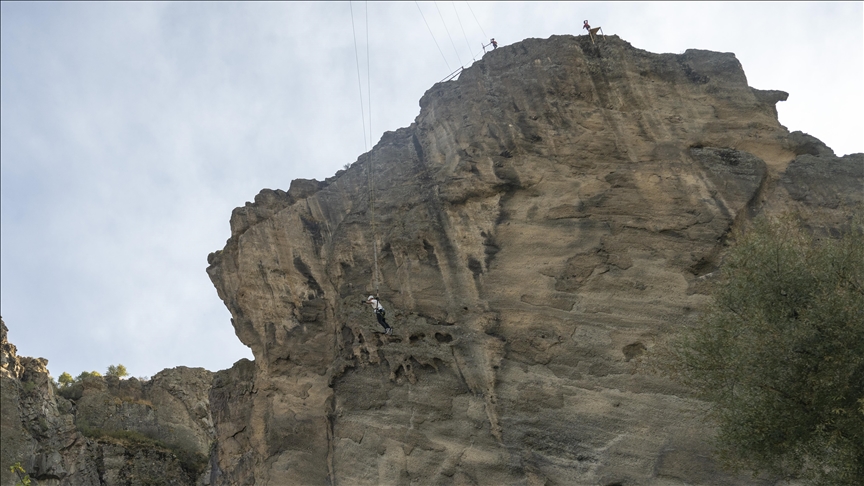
{"points": [[548, 217], [104, 431]]}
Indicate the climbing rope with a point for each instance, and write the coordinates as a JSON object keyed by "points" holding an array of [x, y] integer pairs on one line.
{"points": [[463, 30], [433, 35], [475, 20], [370, 164], [375, 271], [368, 78], [448, 34], [359, 82], [461, 67]]}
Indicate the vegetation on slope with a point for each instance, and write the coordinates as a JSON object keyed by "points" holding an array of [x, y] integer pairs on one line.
{"points": [[780, 354]]}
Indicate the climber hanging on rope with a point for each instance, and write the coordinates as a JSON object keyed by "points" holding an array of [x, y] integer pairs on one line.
{"points": [[379, 313]]}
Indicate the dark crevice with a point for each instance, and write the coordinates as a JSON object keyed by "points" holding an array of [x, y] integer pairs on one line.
{"points": [[301, 267]]}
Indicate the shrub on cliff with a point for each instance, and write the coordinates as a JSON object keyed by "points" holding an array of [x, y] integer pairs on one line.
{"points": [[780, 354], [86, 374], [65, 379], [73, 388], [119, 371], [23, 477]]}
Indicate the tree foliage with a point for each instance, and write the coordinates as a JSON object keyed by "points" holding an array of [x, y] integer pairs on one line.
{"points": [[780, 354], [23, 477], [86, 374], [65, 379], [119, 371]]}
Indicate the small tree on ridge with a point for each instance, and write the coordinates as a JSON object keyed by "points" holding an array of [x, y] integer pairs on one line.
{"points": [[119, 371]]}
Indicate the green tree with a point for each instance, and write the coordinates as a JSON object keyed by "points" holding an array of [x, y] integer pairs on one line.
{"points": [[119, 371], [87, 374], [780, 354], [65, 379]]}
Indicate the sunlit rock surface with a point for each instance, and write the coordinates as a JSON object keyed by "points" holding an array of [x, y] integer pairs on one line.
{"points": [[548, 217]]}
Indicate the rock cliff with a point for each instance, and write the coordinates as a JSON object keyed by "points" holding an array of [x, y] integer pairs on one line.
{"points": [[103, 431], [546, 218]]}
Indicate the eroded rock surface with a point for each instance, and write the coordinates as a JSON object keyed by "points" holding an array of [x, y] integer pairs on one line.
{"points": [[546, 218], [103, 431]]}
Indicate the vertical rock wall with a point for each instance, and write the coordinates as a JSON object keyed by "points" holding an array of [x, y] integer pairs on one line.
{"points": [[546, 218]]}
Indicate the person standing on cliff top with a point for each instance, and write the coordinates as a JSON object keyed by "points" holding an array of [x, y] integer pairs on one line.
{"points": [[494, 43], [586, 26], [379, 313]]}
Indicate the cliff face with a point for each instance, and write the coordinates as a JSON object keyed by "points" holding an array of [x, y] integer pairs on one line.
{"points": [[103, 431], [546, 218]]}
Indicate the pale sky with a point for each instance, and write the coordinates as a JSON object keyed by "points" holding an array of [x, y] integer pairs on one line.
{"points": [[129, 131]]}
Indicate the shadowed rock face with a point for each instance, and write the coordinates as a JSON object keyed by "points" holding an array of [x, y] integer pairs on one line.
{"points": [[546, 218]]}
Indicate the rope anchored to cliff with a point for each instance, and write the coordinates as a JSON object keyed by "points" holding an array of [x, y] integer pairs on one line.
{"points": [[370, 164], [371, 180]]}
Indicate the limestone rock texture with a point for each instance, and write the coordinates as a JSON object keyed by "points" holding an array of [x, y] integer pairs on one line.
{"points": [[544, 221], [103, 431]]}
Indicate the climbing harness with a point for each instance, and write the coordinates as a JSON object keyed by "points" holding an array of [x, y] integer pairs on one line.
{"points": [[380, 314]]}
